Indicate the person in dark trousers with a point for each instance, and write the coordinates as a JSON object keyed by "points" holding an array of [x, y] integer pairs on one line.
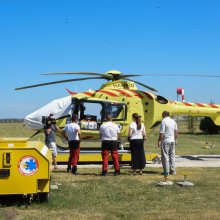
{"points": [[167, 141], [137, 136], [109, 135], [73, 134]]}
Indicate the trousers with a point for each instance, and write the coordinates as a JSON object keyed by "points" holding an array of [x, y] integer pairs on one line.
{"points": [[168, 157], [111, 146], [114, 154], [74, 148]]}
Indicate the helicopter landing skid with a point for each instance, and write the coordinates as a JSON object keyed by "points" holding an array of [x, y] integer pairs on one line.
{"points": [[93, 155]]}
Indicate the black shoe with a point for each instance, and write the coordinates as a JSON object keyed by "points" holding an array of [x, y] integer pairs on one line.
{"points": [[68, 169], [74, 170], [104, 173], [117, 173]]}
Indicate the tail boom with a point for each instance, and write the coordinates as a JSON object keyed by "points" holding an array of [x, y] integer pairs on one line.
{"points": [[196, 109]]}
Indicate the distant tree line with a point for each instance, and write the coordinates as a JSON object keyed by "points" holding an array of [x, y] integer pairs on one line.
{"points": [[11, 120]]}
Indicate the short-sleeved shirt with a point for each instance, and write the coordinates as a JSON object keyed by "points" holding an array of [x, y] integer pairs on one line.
{"points": [[136, 134], [109, 131], [51, 137], [167, 128], [71, 130]]}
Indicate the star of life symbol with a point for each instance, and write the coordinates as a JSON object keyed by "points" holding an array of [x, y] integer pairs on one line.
{"points": [[28, 165]]}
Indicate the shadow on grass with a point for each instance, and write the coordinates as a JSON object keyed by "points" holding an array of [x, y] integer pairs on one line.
{"points": [[14, 200], [197, 133]]}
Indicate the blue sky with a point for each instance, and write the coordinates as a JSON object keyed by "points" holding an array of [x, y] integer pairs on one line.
{"points": [[135, 37]]}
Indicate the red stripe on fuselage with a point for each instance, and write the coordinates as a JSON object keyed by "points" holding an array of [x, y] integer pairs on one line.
{"points": [[148, 95], [172, 102], [136, 93], [122, 92], [187, 104], [200, 105], [213, 106], [108, 93], [88, 93]]}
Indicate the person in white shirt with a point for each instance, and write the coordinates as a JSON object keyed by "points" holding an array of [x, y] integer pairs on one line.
{"points": [[137, 136], [109, 135], [73, 134], [167, 141]]}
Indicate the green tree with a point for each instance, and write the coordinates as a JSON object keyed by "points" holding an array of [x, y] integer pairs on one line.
{"points": [[192, 124]]}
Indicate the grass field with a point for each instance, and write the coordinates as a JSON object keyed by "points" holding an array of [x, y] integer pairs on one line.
{"points": [[90, 196]]}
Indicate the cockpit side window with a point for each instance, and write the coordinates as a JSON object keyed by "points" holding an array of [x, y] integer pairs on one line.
{"points": [[116, 110], [90, 115], [90, 109]]}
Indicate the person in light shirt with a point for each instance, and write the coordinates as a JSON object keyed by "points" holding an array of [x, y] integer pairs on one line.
{"points": [[137, 136], [73, 134], [109, 135], [167, 141]]}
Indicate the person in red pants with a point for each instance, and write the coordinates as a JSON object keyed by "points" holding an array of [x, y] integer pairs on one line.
{"points": [[109, 134], [73, 134]]}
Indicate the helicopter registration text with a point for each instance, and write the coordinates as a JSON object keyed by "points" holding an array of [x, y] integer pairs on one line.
{"points": [[124, 85]]}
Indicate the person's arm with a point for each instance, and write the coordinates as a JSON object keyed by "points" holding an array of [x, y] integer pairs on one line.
{"points": [[144, 133], [175, 135], [79, 134], [58, 129], [160, 138], [48, 130], [62, 132], [65, 134], [100, 132], [129, 133], [161, 134]]}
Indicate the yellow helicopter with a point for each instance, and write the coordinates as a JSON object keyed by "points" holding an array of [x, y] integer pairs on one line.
{"points": [[118, 97]]}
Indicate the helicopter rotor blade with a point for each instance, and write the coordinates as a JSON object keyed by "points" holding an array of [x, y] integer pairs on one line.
{"points": [[170, 74], [141, 84], [75, 73], [91, 73], [129, 75], [61, 81]]}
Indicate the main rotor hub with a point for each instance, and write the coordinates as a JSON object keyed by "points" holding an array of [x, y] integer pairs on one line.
{"points": [[115, 73]]}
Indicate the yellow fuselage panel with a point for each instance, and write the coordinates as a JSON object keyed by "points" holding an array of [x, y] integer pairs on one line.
{"points": [[146, 104]]}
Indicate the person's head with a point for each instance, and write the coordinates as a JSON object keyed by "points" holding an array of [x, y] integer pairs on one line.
{"points": [[108, 117], [137, 119], [74, 118], [165, 114]]}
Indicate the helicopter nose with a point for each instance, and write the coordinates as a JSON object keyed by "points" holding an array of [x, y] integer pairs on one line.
{"points": [[58, 107], [33, 121]]}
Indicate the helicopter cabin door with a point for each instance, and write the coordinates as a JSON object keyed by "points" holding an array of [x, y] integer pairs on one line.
{"points": [[93, 113]]}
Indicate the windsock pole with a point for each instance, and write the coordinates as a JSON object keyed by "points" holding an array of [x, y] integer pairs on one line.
{"points": [[180, 91]]}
